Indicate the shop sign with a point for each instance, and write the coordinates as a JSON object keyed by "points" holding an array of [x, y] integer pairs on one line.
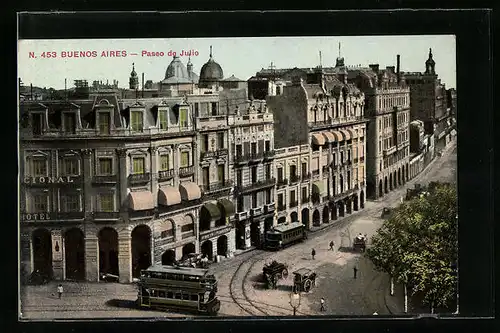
{"points": [[49, 180], [214, 233]]}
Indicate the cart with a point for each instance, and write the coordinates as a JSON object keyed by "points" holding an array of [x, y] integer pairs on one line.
{"points": [[359, 244], [273, 272], [304, 280]]}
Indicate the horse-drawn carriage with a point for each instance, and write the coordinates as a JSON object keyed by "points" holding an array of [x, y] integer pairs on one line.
{"points": [[273, 272], [359, 243], [304, 280]]}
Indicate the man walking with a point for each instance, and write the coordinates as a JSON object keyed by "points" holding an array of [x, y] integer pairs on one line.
{"points": [[313, 253], [60, 290], [355, 271], [332, 244], [322, 304]]}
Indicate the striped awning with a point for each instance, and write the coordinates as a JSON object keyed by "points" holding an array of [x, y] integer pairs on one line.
{"points": [[338, 136], [189, 191], [352, 133], [210, 211], [329, 137], [226, 207], [318, 139], [318, 187], [168, 196], [141, 200], [345, 134]]}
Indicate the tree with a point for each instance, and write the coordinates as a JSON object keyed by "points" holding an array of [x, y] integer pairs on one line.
{"points": [[418, 244]]}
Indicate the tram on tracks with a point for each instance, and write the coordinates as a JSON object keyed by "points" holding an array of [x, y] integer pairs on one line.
{"points": [[284, 235], [178, 288]]}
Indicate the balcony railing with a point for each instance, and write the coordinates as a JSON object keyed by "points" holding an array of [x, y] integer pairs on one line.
{"points": [[106, 215], [305, 200], [294, 179], [254, 212], [255, 157], [186, 171], [315, 173], [139, 178], [282, 182], [187, 234], [216, 186], [166, 174], [240, 216], [269, 154], [306, 176], [281, 207], [104, 179], [293, 204], [214, 154], [256, 185], [269, 208]]}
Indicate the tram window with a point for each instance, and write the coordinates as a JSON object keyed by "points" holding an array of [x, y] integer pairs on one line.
{"points": [[185, 296], [157, 275], [161, 294], [178, 296], [164, 275], [194, 297], [170, 294], [154, 293]]}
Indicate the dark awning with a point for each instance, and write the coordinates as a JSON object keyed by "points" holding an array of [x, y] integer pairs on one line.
{"points": [[318, 187], [210, 210], [226, 207]]}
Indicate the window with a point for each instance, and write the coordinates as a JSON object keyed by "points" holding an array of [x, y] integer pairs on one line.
{"points": [[164, 162], [105, 166], [204, 143], [71, 202], [220, 140], [341, 157], [293, 171], [37, 123], [254, 148], [254, 174], [71, 167], [304, 193], [268, 197], [214, 108], [187, 227], [280, 199], [104, 122], [254, 200], [178, 295], [267, 145], [184, 159], [69, 122], [106, 202], [239, 150], [268, 171], [206, 175], [278, 90], [167, 233], [163, 119], [240, 204], [40, 202], [239, 177], [221, 173], [292, 197], [183, 117], [196, 109], [136, 123], [39, 167], [304, 169], [138, 165]]}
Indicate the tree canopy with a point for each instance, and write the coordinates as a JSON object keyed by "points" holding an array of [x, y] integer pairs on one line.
{"points": [[417, 245]]}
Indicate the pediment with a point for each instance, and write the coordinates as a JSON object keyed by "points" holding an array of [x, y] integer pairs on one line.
{"points": [[139, 151], [70, 153], [38, 153], [184, 147]]}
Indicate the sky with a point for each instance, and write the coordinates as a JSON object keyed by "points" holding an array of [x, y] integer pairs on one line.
{"points": [[42, 62]]}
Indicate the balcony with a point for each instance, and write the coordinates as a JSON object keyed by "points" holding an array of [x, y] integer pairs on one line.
{"points": [[293, 204], [306, 176], [256, 157], [294, 179], [269, 155], [105, 179], [254, 212], [241, 216], [188, 234], [139, 178], [213, 154], [106, 215], [281, 207], [166, 174], [315, 173], [306, 200], [186, 171], [241, 159], [258, 185], [216, 186], [282, 183], [269, 208], [389, 150]]}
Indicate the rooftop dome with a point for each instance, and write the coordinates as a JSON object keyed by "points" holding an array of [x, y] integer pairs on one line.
{"points": [[211, 71], [176, 69]]}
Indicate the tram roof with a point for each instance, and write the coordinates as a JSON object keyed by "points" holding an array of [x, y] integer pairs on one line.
{"points": [[177, 270], [287, 226]]}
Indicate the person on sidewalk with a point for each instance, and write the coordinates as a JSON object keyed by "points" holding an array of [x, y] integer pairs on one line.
{"points": [[355, 271], [60, 290], [322, 308], [332, 244], [313, 253]]}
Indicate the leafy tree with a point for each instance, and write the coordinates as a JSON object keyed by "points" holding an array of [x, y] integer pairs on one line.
{"points": [[418, 244]]}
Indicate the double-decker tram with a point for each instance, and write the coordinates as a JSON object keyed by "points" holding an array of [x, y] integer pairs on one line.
{"points": [[178, 288], [285, 234]]}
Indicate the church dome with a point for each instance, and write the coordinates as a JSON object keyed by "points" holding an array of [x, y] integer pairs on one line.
{"points": [[176, 69], [211, 71]]}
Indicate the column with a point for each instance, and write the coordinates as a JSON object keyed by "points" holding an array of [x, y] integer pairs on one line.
{"points": [[178, 253], [231, 243], [176, 156], [123, 176], [335, 209], [125, 256], [26, 255], [153, 151], [57, 254], [91, 256], [214, 248], [87, 176], [196, 155]]}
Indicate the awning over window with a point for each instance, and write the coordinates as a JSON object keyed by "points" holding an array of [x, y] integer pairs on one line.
{"points": [[351, 133], [338, 136], [318, 139], [189, 191], [168, 196], [346, 134], [141, 200], [318, 187], [211, 211], [329, 137], [226, 207]]}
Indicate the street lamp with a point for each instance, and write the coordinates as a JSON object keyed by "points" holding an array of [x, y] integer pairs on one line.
{"points": [[295, 302]]}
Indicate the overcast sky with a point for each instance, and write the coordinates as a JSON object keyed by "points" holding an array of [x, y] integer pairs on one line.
{"points": [[242, 57]]}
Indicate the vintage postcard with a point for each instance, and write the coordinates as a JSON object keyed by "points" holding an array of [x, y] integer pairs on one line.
{"points": [[283, 176]]}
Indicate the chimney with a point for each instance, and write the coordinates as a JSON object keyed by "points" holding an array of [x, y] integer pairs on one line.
{"points": [[374, 67], [391, 69], [398, 59]]}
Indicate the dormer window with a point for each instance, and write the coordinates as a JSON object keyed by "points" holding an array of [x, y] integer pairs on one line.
{"points": [[136, 121], [104, 120], [162, 114], [183, 117], [69, 122], [37, 123]]}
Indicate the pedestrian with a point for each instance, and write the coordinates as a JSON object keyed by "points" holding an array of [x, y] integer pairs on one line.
{"points": [[322, 304], [332, 244], [60, 290], [355, 271], [313, 253]]}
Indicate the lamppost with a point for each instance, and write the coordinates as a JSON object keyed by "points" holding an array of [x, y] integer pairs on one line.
{"points": [[295, 302]]}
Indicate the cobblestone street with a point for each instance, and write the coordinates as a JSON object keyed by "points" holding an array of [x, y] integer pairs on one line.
{"points": [[240, 290]]}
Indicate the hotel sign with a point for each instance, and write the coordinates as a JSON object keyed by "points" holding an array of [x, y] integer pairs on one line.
{"points": [[214, 233], [35, 217], [50, 180]]}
